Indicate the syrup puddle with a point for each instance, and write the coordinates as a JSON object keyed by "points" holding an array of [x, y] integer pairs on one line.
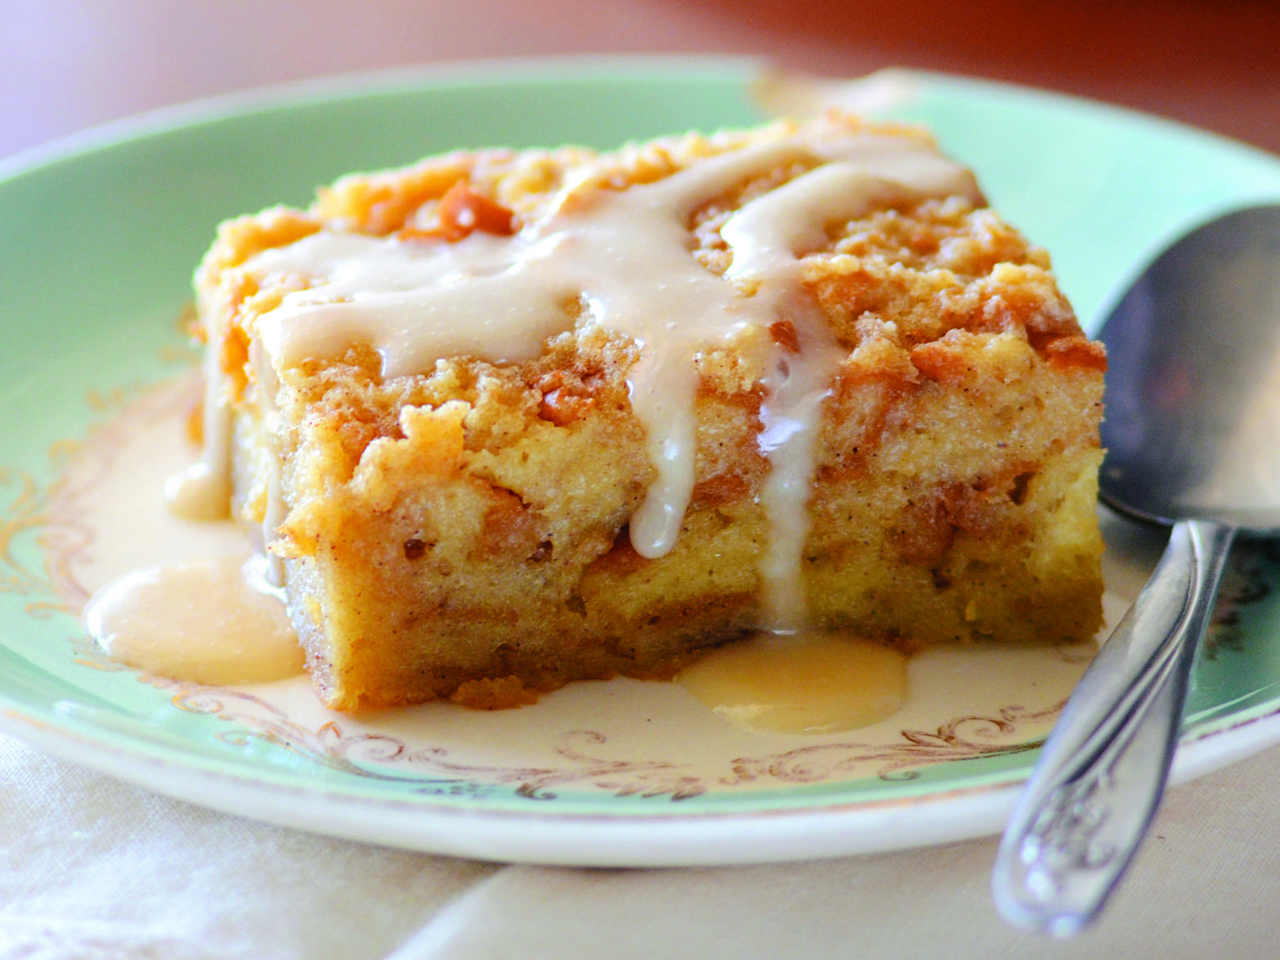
{"points": [[202, 621], [813, 682]]}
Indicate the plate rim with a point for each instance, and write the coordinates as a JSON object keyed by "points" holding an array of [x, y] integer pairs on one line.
{"points": [[702, 838]]}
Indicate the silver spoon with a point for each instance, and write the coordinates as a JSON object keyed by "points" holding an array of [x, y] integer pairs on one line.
{"points": [[1192, 433]]}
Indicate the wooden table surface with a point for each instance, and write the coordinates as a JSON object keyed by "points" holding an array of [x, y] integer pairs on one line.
{"points": [[66, 65]]}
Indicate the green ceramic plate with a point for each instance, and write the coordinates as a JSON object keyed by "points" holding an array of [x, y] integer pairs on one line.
{"points": [[97, 242]]}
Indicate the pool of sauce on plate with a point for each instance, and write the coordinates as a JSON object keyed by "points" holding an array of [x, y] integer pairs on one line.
{"points": [[206, 621], [813, 682]]}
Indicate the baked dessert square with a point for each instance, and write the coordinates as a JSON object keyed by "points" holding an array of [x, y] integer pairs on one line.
{"points": [[510, 419]]}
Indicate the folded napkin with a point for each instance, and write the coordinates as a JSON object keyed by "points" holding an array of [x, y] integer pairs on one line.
{"points": [[92, 869]]}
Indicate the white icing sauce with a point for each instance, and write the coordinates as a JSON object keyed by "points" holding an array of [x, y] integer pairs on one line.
{"points": [[208, 621], [274, 515], [626, 255], [815, 682], [200, 492], [203, 490]]}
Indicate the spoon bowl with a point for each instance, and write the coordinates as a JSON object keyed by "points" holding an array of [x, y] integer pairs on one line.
{"points": [[1193, 388], [1192, 433]]}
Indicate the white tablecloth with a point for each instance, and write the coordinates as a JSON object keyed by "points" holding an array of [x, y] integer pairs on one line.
{"points": [[92, 869]]}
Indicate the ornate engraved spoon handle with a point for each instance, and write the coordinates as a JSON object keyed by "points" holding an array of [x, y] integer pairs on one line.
{"points": [[1102, 771]]}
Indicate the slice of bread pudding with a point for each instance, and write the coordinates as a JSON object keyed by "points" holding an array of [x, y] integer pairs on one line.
{"points": [[513, 419]]}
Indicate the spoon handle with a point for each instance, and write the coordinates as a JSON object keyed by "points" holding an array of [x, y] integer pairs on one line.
{"points": [[1102, 771]]}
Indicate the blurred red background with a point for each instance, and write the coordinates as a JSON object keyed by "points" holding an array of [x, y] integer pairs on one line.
{"points": [[68, 64]]}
